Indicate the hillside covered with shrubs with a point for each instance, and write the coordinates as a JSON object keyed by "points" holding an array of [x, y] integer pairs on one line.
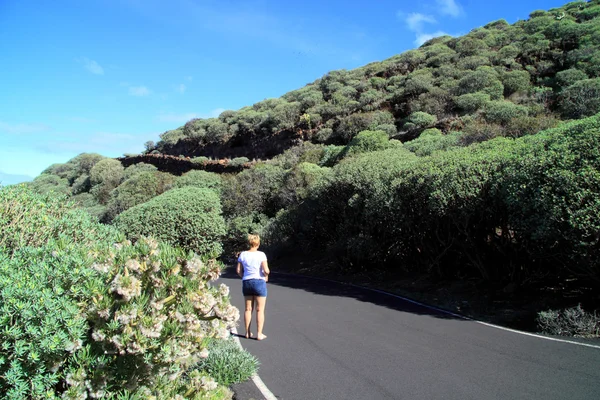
{"points": [[498, 80], [472, 158]]}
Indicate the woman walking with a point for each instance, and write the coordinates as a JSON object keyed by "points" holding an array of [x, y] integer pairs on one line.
{"points": [[253, 268]]}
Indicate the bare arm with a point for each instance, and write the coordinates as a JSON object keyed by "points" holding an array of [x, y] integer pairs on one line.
{"points": [[240, 270], [266, 270]]}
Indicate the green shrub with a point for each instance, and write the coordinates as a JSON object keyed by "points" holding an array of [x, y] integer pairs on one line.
{"points": [[478, 130], [189, 217], [389, 129], [367, 141], [136, 169], [529, 125], [351, 125], [138, 189], [569, 77], [306, 152], [227, 363], [200, 179], [81, 165], [81, 185], [432, 140], [331, 155], [471, 102], [422, 119], [581, 99], [200, 160], [324, 135], [484, 79], [47, 183], [254, 190], [43, 326], [239, 227], [106, 175], [569, 322], [299, 182], [239, 161], [502, 112], [551, 194], [345, 213], [47, 218], [89, 203], [516, 81], [84, 314]]}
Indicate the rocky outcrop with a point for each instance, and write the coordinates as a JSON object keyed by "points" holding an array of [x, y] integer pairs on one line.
{"points": [[180, 165], [251, 146]]}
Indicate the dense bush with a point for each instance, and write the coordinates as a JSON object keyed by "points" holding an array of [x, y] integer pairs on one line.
{"points": [[138, 189], [200, 179], [432, 140], [472, 101], [421, 119], [503, 112], [367, 141], [227, 363], [189, 217], [86, 315], [136, 169], [106, 175], [254, 190], [569, 322], [569, 77], [581, 99], [503, 210], [46, 183], [238, 161]]}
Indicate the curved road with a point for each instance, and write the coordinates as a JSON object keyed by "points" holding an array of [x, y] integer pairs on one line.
{"points": [[334, 341]]}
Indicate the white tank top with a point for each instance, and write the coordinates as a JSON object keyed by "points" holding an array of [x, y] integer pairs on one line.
{"points": [[251, 261]]}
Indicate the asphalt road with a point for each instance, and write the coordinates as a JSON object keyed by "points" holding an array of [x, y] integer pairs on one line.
{"points": [[334, 341]]}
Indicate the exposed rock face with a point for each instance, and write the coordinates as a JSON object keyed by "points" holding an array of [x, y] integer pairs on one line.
{"points": [[250, 146], [177, 165]]}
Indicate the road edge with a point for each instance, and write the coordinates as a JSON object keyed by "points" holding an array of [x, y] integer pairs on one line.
{"points": [[264, 390]]}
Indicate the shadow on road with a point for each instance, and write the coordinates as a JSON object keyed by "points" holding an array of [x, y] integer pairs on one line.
{"points": [[330, 288]]}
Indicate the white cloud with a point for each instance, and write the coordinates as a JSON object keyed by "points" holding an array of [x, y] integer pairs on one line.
{"points": [[185, 117], [415, 21], [180, 88], [22, 128], [139, 91], [449, 7], [176, 118], [92, 66], [423, 37]]}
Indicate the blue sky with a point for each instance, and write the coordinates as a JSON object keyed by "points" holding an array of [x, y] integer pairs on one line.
{"points": [[106, 76]]}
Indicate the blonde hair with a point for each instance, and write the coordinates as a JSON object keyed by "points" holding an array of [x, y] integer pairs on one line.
{"points": [[253, 240]]}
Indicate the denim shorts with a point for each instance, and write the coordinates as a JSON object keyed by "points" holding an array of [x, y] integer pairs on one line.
{"points": [[254, 287]]}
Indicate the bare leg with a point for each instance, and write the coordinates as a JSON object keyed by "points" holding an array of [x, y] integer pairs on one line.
{"points": [[260, 316], [248, 314]]}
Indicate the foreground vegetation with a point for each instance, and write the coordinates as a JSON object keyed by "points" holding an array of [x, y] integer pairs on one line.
{"points": [[472, 158], [86, 313]]}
